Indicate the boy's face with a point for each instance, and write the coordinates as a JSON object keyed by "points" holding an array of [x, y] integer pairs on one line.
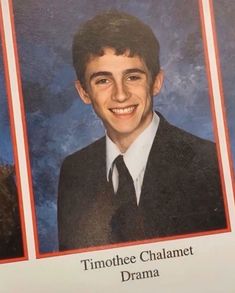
{"points": [[119, 89]]}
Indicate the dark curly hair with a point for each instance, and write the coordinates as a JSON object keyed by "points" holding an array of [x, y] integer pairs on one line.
{"points": [[10, 231], [117, 30]]}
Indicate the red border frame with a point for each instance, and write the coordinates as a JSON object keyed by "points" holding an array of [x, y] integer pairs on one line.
{"points": [[29, 172], [32, 203], [230, 157], [212, 105], [97, 248], [14, 143]]}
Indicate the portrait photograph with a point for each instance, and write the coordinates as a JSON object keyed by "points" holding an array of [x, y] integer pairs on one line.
{"points": [[120, 121], [11, 239]]}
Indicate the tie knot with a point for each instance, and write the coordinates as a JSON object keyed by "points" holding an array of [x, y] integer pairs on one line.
{"points": [[123, 172], [120, 164]]}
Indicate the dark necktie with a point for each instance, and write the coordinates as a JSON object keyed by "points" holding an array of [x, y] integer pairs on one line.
{"points": [[126, 223], [126, 191]]}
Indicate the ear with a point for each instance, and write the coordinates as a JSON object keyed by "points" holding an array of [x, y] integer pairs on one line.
{"points": [[82, 92], [158, 82]]}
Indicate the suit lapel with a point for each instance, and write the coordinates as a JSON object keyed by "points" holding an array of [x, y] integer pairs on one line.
{"points": [[97, 209], [158, 201]]}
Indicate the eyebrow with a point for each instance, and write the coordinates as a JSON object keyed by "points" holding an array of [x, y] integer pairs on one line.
{"points": [[100, 73], [107, 73], [135, 70]]}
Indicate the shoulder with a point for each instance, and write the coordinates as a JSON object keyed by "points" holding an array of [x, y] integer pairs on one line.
{"points": [[185, 147], [86, 157], [179, 135]]}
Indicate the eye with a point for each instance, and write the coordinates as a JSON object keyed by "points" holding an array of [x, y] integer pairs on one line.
{"points": [[102, 81], [133, 77]]}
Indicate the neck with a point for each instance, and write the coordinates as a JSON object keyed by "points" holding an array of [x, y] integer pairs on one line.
{"points": [[124, 140], [123, 143]]}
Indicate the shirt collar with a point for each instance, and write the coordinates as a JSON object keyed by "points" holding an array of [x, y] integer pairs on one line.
{"points": [[140, 149]]}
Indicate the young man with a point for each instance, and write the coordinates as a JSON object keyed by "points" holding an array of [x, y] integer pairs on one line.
{"points": [[145, 178]]}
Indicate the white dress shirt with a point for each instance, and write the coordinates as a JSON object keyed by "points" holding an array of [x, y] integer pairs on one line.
{"points": [[135, 157]]}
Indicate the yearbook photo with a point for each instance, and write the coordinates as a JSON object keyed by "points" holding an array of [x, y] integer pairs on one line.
{"points": [[11, 244], [117, 146], [123, 147]]}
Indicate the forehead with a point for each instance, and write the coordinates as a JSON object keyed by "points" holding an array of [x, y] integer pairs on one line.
{"points": [[110, 62]]}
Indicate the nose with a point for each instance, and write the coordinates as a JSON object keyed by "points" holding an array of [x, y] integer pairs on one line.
{"points": [[120, 92]]}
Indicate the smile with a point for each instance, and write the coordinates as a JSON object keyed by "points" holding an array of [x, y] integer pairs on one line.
{"points": [[123, 111]]}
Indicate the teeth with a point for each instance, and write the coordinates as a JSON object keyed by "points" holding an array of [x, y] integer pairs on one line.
{"points": [[120, 111]]}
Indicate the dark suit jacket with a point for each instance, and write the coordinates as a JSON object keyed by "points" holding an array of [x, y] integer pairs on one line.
{"points": [[181, 192]]}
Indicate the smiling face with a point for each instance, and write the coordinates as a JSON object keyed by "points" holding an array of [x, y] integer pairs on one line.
{"points": [[120, 90]]}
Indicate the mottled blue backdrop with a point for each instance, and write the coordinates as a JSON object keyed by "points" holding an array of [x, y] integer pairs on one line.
{"points": [[225, 24], [6, 155], [57, 121]]}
